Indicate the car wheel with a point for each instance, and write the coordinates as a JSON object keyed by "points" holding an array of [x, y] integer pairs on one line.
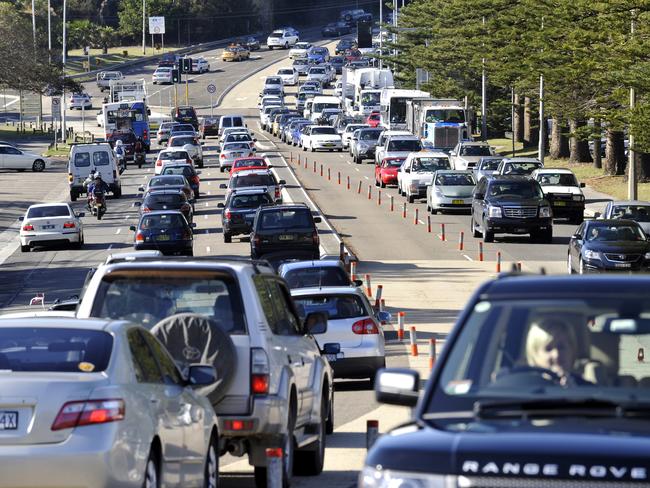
{"points": [[221, 168], [118, 192], [286, 45], [581, 266], [211, 473], [434, 211], [376, 182], [569, 264], [38, 166], [152, 470], [25, 248], [73, 196], [410, 198], [227, 237], [547, 237], [382, 184], [487, 235], [475, 233], [310, 462]]}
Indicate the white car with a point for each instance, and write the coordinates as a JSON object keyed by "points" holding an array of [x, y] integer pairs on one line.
{"points": [[299, 50], [171, 156], [267, 100], [348, 131], [80, 101], [282, 38], [13, 158], [200, 65], [320, 74], [289, 76], [274, 81], [162, 75], [234, 130], [561, 188], [416, 173], [100, 118], [234, 150], [467, 154], [322, 137], [189, 144], [48, 223], [352, 327]]}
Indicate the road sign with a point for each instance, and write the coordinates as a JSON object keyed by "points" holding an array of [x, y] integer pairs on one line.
{"points": [[156, 25], [211, 88], [56, 108]]}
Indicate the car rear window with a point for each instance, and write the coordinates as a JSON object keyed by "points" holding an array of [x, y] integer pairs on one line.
{"points": [[404, 145], [174, 155], [242, 163], [181, 141], [313, 276], [167, 180], [186, 112], [286, 219], [147, 296], [253, 180], [101, 158], [156, 199], [235, 146], [370, 135], [82, 159], [49, 349], [162, 221], [250, 201], [179, 170], [49, 211], [336, 306]]}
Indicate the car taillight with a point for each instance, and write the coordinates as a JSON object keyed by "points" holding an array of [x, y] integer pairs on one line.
{"points": [[185, 207], [69, 225], [70, 177], [238, 425], [196, 179], [250, 155], [227, 214], [145, 134], [189, 160], [186, 235], [139, 237], [223, 156], [145, 209], [158, 162], [257, 241], [315, 239], [76, 414], [28, 227], [365, 327], [277, 193], [259, 372]]}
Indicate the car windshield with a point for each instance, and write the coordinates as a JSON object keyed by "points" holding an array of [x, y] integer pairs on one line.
{"points": [[158, 200], [602, 232], [370, 98], [181, 141], [579, 345], [490, 165], [238, 138], [174, 180], [352, 128], [520, 168], [314, 276], [54, 349], [323, 130], [337, 307], [243, 163], [430, 164], [183, 127], [49, 211], [250, 201], [173, 155], [517, 189], [404, 145], [640, 213], [318, 71], [253, 180], [285, 72], [273, 80], [475, 151], [451, 179], [150, 295], [557, 179], [370, 135], [286, 219], [235, 146]]}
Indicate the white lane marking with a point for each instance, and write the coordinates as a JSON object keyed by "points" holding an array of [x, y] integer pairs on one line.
{"points": [[208, 194], [240, 99], [366, 178], [118, 231], [420, 222], [356, 169], [206, 204], [467, 257], [208, 174], [205, 217], [349, 162], [207, 248], [209, 182], [341, 156]]}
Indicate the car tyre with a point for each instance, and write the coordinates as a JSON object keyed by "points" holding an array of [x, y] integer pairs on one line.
{"points": [[152, 472], [434, 211], [211, 472], [310, 462], [73, 196], [227, 238], [569, 264], [475, 233], [26, 248], [118, 192], [410, 198], [581, 266], [38, 166], [487, 235]]}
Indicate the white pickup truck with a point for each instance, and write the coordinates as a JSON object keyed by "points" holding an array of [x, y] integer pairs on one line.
{"points": [[104, 79], [416, 173]]}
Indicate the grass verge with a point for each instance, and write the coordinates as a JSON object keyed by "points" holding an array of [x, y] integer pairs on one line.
{"points": [[115, 55]]}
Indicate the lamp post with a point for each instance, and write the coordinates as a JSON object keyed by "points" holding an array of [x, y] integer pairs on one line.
{"points": [[381, 35], [34, 23], [144, 52], [631, 176], [49, 31], [64, 58]]}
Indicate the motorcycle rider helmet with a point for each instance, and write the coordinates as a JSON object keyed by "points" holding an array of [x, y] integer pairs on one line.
{"points": [[118, 142]]}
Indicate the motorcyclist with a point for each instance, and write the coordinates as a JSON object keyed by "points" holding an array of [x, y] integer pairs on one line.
{"points": [[97, 185], [86, 184], [139, 151], [120, 152]]}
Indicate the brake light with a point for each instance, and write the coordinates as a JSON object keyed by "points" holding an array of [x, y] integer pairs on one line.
{"points": [[139, 237], [365, 327], [145, 134], [189, 161], [257, 241], [76, 414], [314, 238], [146, 209], [195, 179], [223, 156], [185, 207], [158, 162], [277, 193], [260, 384], [238, 424], [259, 372], [227, 214], [69, 225], [186, 235], [28, 227]]}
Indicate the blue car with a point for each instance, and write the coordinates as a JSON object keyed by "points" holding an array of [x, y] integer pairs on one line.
{"points": [[297, 130], [165, 231], [317, 55]]}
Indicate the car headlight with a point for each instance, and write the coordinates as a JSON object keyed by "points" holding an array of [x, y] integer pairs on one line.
{"points": [[594, 254], [494, 212], [545, 212], [647, 255], [578, 198], [378, 478]]}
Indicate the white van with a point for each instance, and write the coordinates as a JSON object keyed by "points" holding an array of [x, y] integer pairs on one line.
{"points": [[320, 103], [84, 158], [231, 121]]}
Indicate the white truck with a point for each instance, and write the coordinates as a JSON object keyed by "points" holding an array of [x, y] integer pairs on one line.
{"points": [[128, 90], [440, 121], [367, 84], [393, 106]]}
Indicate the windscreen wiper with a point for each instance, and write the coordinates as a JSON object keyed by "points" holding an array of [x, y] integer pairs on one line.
{"points": [[562, 407]]}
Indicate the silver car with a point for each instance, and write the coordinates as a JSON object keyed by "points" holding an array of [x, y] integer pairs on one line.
{"points": [[450, 190], [100, 403], [234, 150], [487, 167]]}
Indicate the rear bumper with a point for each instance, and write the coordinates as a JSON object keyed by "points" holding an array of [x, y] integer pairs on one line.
{"points": [[50, 238], [363, 367], [236, 228], [165, 248]]}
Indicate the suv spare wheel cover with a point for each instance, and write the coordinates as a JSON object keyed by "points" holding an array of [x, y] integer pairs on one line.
{"points": [[194, 338]]}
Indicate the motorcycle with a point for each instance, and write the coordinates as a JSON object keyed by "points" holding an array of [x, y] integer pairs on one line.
{"points": [[98, 204], [121, 161], [140, 158]]}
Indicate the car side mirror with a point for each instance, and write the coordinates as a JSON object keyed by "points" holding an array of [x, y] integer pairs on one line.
{"points": [[141, 188], [317, 220], [357, 282], [407, 170], [384, 316], [582, 185], [21, 218], [597, 215], [220, 205], [282, 182], [201, 375], [137, 204], [81, 214], [315, 323], [397, 386], [479, 196], [132, 227], [577, 237], [223, 186]]}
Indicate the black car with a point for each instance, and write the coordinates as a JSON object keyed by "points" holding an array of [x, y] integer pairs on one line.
{"points": [[511, 205], [251, 43], [285, 232], [344, 45], [209, 126], [335, 29], [167, 200], [239, 211], [128, 139], [541, 383], [608, 245], [169, 60], [167, 231], [188, 171], [337, 63], [186, 115]]}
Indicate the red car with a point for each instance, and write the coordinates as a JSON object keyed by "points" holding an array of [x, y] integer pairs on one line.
{"points": [[242, 164], [386, 172], [373, 119]]}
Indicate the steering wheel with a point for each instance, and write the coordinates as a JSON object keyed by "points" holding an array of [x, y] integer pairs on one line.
{"points": [[524, 376]]}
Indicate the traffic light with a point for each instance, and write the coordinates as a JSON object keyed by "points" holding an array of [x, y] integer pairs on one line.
{"points": [[186, 65], [176, 75]]}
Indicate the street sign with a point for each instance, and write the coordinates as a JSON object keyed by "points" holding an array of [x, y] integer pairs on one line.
{"points": [[156, 25], [56, 108], [211, 88]]}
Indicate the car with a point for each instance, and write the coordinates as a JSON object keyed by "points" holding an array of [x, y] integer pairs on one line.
{"points": [[266, 397], [608, 245], [162, 135], [274, 81], [244, 131], [81, 101], [163, 74], [99, 117], [397, 143], [91, 389], [282, 38], [244, 164], [318, 55], [280, 120], [327, 117], [467, 154], [284, 232], [188, 171], [169, 60], [226, 121], [299, 50], [238, 211], [104, 78], [208, 126], [200, 65], [337, 62], [374, 119], [266, 112], [318, 137], [168, 182], [233, 150], [267, 100], [636, 210], [363, 144], [171, 155], [185, 114], [386, 171], [301, 99], [320, 74], [236, 136], [523, 367], [17, 159], [353, 329], [562, 190], [50, 223], [450, 190], [518, 166], [416, 173], [289, 76], [289, 127], [249, 42], [255, 178], [338, 89], [335, 29], [349, 129], [487, 166], [301, 65], [190, 144], [128, 138], [513, 205], [235, 53], [344, 44], [321, 273], [167, 231], [167, 200]]}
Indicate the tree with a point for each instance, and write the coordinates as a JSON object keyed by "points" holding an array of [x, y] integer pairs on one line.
{"points": [[104, 37]]}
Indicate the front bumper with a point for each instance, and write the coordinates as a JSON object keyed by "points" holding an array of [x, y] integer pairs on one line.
{"points": [[327, 145], [606, 266], [449, 203], [518, 226]]}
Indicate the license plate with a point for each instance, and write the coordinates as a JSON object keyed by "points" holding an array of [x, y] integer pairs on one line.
{"points": [[559, 204], [285, 237], [46, 227], [521, 230], [328, 144], [622, 265], [237, 155], [8, 420], [457, 202], [162, 238]]}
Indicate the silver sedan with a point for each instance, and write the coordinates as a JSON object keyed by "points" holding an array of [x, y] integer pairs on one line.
{"points": [[450, 190], [234, 150], [98, 403]]}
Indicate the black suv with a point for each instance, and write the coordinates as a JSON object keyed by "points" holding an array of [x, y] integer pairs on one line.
{"points": [[537, 375], [284, 232], [239, 211], [511, 205], [185, 115]]}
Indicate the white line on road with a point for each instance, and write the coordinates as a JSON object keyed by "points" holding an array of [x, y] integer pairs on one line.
{"points": [[208, 194], [206, 204], [110, 247], [209, 182], [205, 217], [207, 248], [467, 257], [118, 231], [420, 222], [349, 162], [366, 178], [356, 169]]}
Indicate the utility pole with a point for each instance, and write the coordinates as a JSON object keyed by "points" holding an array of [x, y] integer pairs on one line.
{"points": [[512, 117], [34, 23], [381, 33], [64, 59], [483, 97], [49, 31], [631, 176], [541, 146], [144, 46]]}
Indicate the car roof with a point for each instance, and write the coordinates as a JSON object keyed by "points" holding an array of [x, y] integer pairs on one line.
{"points": [[132, 256], [258, 171], [428, 154], [455, 171], [169, 190], [327, 290], [497, 178], [542, 171], [521, 160], [163, 212], [248, 190], [63, 322], [285, 206], [328, 263], [474, 143], [629, 202], [51, 204]]}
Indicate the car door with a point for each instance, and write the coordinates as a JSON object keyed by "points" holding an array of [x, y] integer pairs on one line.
{"points": [[576, 243], [2, 155], [15, 159], [478, 201]]}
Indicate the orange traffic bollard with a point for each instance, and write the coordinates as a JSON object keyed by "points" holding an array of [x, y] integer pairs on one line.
{"points": [[414, 341]]}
